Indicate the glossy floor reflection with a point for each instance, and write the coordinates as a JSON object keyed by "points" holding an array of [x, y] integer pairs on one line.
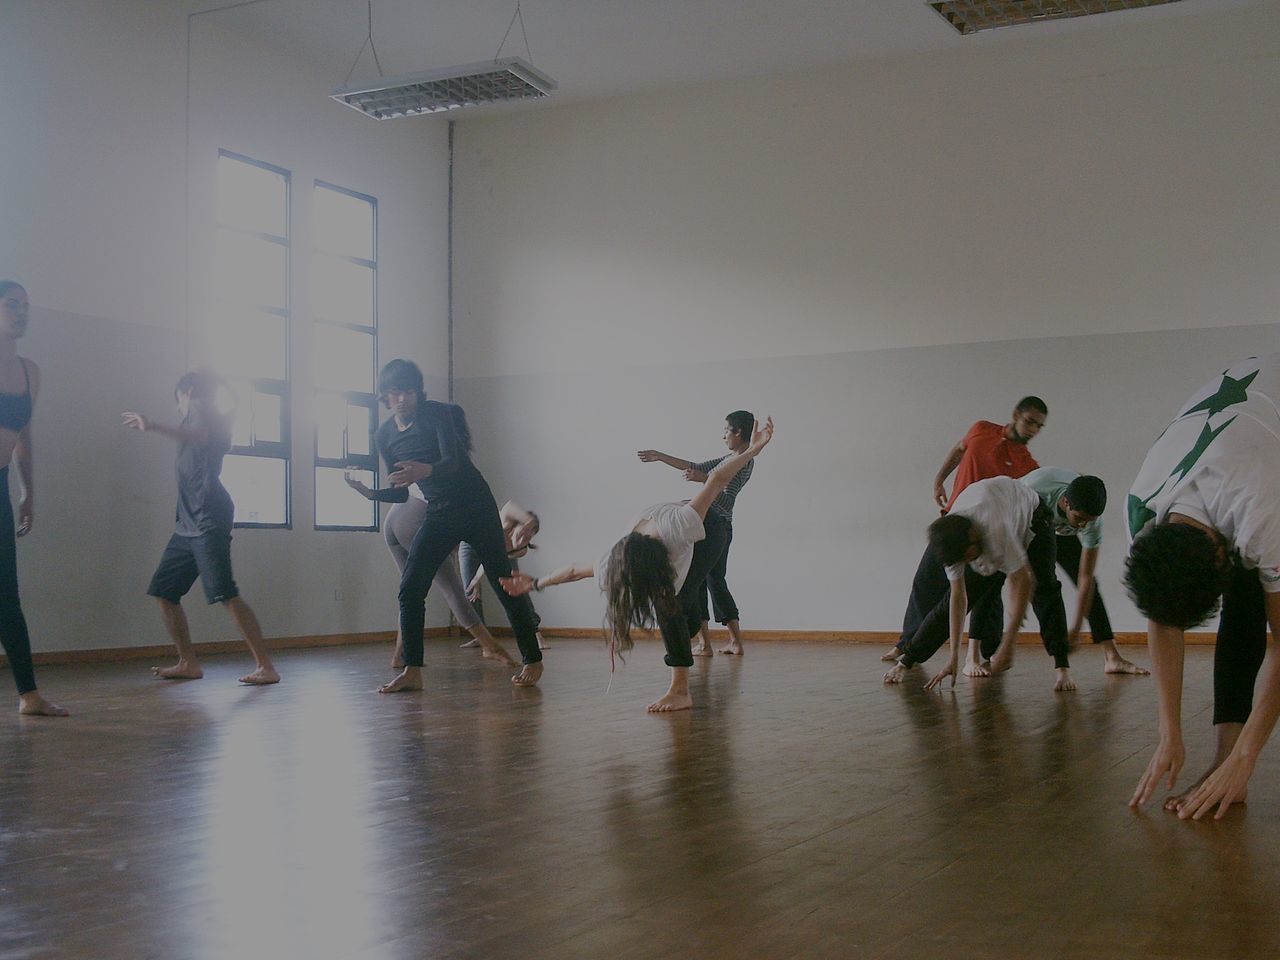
{"points": [[802, 810]]}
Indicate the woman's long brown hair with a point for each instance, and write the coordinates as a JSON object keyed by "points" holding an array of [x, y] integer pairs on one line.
{"points": [[641, 590]]}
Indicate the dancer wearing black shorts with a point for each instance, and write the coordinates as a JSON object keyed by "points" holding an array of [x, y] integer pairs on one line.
{"points": [[201, 541]]}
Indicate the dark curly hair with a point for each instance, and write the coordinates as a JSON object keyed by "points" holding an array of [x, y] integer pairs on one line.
{"points": [[1088, 495], [949, 537], [641, 588], [741, 422], [1175, 575]]}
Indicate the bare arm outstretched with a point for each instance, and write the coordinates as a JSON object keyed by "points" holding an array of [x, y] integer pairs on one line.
{"points": [[520, 583]]}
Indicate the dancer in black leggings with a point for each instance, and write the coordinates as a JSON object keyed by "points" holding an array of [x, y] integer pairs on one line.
{"points": [[653, 575], [19, 384], [420, 444]]}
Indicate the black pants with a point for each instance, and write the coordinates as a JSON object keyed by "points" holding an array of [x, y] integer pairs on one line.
{"points": [[468, 564], [678, 628], [722, 601], [475, 520], [988, 617], [929, 612], [1069, 553], [1241, 647], [13, 625]]}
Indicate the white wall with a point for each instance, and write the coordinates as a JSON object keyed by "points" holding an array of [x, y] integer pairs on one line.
{"points": [[877, 256], [97, 195]]}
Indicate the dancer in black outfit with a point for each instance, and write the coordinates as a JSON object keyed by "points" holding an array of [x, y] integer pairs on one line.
{"points": [[420, 444], [19, 384]]}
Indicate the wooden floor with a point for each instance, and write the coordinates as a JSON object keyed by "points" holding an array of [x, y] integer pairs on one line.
{"points": [[802, 810]]}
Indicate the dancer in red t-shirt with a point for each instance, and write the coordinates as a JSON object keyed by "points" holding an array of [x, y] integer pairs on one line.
{"points": [[987, 450]]}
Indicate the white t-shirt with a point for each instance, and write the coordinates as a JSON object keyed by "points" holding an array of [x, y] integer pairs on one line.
{"points": [[679, 528], [1219, 463], [1001, 508]]}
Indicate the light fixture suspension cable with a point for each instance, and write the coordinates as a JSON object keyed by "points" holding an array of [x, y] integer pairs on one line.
{"points": [[524, 33], [368, 42]]}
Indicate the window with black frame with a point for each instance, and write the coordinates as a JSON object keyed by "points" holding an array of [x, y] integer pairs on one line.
{"points": [[249, 333], [344, 297]]}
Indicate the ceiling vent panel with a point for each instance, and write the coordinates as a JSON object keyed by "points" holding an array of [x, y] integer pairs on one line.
{"points": [[972, 16]]}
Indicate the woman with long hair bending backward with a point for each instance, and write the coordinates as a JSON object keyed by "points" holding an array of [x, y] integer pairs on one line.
{"points": [[652, 576], [201, 541], [420, 444], [19, 385]]}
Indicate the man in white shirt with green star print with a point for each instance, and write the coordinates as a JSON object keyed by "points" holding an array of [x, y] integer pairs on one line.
{"points": [[1204, 517]]}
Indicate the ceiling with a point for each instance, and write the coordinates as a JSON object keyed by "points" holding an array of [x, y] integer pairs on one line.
{"points": [[602, 48]]}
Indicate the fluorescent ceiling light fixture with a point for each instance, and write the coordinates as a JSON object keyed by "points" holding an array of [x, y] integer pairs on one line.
{"points": [[971, 16], [493, 81]]}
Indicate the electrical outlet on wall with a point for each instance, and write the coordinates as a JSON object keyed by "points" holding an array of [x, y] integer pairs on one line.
{"points": [[337, 593]]}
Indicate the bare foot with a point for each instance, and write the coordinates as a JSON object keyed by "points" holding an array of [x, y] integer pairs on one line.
{"points": [[1121, 665], [890, 655], [975, 669], [397, 658], [702, 649], [529, 675], [182, 670], [31, 704], [897, 673], [671, 702], [733, 648], [1174, 802], [261, 677], [999, 664], [410, 678], [499, 655], [1063, 680], [542, 641], [473, 642]]}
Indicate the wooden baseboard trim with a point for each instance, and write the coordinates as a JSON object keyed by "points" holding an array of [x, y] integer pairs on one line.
{"points": [[113, 654], [885, 637], [880, 637]]}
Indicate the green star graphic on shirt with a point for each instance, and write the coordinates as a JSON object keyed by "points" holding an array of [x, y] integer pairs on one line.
{"points": [[1207, 436], [1139, 514], [1231, 392]]}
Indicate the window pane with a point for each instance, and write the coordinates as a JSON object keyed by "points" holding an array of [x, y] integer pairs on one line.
{"points": [[249, 343], [343, 358], [342, 291], [251, 197], [268, 414], [242, 432], [249, 270], [337, 505], [257, 485], [259, 416], [343, 224], [331, 418], [358, 430]]}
